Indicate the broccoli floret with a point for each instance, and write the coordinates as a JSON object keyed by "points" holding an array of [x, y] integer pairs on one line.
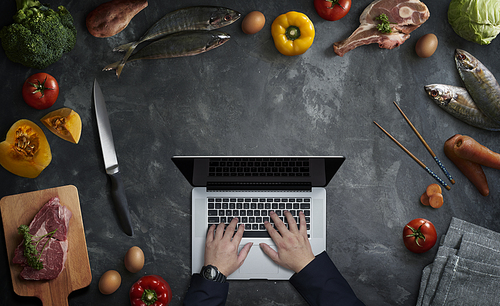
{"points": [[39, 35]]}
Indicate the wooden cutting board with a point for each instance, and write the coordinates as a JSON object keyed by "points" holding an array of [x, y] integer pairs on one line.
{"points": [[21, 209]]}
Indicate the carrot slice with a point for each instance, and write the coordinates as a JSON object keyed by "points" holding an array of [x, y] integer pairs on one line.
{"points": [[436, 200], [424, 199], [432, 189]]}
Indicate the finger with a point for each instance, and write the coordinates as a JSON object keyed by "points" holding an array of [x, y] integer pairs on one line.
{"points": [[210, 234], [270, 252], [230, 229], [219, 232], [303, 224], [243, 253], [239, 234], [292, 224], [278, 223], [275, 236]]}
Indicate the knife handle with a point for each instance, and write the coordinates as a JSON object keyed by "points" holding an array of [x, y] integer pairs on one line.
{"points": [[121, 204]]}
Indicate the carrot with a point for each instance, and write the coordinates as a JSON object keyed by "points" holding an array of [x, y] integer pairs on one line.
{"points": [[436, 200], [467, 148], [433, 189], [424, 199], [472, 171]]}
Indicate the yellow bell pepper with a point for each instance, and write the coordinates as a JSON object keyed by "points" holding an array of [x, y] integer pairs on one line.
{"points": [[293, 33]]}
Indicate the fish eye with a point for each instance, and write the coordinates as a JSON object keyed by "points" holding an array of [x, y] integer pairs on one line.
{"points": [[228, 17], [434, 93], [461, 57]]}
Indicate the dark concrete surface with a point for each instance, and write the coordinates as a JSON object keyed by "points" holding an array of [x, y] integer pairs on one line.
{"points": [[245, 98]]}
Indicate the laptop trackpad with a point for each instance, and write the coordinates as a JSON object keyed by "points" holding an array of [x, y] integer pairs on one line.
{"points": [[259, 263]]}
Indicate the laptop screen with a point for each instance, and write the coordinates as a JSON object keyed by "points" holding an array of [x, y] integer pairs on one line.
{"points": [[258, 172]]}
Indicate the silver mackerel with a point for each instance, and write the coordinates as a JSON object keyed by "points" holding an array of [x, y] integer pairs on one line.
{"points": [[457, 102], [480, 83], [180, 44], [184, 19]]}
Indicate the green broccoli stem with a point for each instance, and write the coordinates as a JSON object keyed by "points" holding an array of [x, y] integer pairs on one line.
{"points": [[25, 4]]}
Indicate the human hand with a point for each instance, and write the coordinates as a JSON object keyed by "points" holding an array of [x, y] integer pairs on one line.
{"points": [[221, 249], [294, 249]]}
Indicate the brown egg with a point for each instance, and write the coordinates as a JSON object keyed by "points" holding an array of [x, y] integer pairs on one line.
{"points": [[426, 45], [109, 282], [253, 22], [134, 259]]}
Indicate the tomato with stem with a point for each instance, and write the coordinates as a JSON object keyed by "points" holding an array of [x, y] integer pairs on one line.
{"points": [[40, 90], [419, 235], [332, 9]]}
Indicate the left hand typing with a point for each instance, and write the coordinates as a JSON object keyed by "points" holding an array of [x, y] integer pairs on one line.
{"points": [[221, 248]]}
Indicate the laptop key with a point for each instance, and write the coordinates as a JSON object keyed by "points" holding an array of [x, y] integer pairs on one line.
{"points": [[214, 220], [256, 234]]}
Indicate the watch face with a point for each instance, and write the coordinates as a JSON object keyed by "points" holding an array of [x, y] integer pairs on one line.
{"points": [[209, 273]]}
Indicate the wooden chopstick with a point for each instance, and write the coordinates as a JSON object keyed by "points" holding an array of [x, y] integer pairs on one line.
{"points": [[415, 158], [436, 159]]}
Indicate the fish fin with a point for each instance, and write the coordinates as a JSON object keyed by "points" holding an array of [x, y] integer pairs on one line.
{"points": [[124, 47]]}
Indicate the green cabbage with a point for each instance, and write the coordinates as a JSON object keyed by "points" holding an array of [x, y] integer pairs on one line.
{"points": [[475, 20]]}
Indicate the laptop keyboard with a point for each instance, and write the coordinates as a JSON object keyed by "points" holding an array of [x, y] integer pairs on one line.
{"points": [[240, 167], [252, 212]]}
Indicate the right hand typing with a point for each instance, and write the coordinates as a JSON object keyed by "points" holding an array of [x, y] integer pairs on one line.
{"points": [[294, 250]]}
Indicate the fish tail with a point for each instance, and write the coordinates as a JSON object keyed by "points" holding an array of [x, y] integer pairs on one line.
{"points": [[111, 66], [130, 49], [124, 47]]}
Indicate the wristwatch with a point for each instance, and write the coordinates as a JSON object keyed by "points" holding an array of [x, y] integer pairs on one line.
{"points": [[210, 272]]}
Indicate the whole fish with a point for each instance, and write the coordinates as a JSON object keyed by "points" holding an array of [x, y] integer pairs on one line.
{"points": [[480, 83], [189, 18], [185, 43], [457, 102]]}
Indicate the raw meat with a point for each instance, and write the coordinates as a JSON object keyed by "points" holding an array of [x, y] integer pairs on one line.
{"points": [[50, 217], [404, 15]]}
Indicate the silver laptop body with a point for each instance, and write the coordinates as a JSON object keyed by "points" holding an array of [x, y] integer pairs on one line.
{"points": [[248, 187]]}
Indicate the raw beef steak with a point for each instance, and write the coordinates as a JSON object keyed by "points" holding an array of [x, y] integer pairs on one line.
{"points": [[50, 217]]}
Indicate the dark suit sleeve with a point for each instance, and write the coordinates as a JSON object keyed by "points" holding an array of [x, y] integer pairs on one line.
{"points": [[205, 292], [320, 283]]}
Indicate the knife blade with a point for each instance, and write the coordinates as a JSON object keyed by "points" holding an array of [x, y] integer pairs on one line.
{"points": [[111, 162]]}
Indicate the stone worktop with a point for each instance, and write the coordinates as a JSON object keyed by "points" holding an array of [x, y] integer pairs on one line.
{"points": [[245, 98]]}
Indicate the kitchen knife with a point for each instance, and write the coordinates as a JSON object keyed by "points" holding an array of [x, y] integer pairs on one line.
{"points": [[110, 161]]}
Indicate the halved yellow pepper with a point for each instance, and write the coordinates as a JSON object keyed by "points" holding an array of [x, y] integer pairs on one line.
{"points": [[293, 33]]}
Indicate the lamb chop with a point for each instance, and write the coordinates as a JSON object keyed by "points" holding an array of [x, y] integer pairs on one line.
{"points": [[404, 17]]}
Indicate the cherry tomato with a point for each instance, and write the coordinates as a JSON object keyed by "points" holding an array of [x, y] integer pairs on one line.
{"points": [[332, 9], [40, 90], [419, 235]]}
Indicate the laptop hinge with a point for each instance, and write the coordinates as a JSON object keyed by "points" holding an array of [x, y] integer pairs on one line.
{"points": [[297, 186]]}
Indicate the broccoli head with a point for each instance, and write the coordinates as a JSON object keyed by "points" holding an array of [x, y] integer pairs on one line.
{"points": [[39, 35]]}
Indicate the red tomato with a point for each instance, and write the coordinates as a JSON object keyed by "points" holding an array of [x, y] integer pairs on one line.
{"points": [[332, 9], [419, 235], [40, 90]]}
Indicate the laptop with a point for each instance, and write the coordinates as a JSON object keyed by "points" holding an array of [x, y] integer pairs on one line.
{"points": [[249, 187]]}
